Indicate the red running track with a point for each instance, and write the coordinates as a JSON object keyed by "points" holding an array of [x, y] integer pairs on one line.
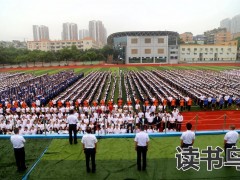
{"points": [[212, 120], [71, 66]]}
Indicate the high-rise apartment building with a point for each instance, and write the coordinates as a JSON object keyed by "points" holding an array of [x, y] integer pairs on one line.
{"points": [[226, 23], [70, 31], [98, 32], [40, 33], [217, 36], [83, 33], [235, 24], [232, 25]]}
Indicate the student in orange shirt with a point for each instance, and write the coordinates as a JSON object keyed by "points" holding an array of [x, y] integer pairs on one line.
{"points": [[24, 104], [59, 103], [67, 104], [137, 101], [15, 104], [85, 103], [129, 102], [34, 104], [120, 101], [76, 104], [189, 104], [155, 102], [50, 103], [173, 103], [95, 103], [182, 104], [110, 103]]}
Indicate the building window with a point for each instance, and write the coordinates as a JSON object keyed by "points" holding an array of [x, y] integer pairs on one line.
{"points": [[147, 40], [134, 51], [147, 51], [160, 51], [195, 49], [206, 49], [160, 40], [134, 40], [183, 49]]}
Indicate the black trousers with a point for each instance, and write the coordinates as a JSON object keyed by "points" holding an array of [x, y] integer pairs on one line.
{"points": [[178, 126], [20, 158], [72, 128], [90, 153], [228, 146], [141, 157], [186, 145]]}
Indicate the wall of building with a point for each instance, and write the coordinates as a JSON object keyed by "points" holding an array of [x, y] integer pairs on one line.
{"points": [[58, 45], [147, 49], [221, 37], [187, 37], [218, 52]]}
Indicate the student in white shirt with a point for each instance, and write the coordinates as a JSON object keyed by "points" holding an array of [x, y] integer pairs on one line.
{"points": [[179, 122], [230, 139], [72, 121], [187, 137], [141, 146], [89, 142], [19, 152]]}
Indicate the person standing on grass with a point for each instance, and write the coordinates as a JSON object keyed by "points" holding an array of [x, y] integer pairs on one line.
{"points": [[89, 142], [19, 152], [141, 146], [187, 137], [72, 122], [230, 139]]}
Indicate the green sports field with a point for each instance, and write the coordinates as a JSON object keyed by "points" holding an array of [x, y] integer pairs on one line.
{"points": [[116, 159]]}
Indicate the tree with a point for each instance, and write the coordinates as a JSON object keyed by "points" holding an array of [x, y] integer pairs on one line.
{"points": [[65, 54], [180, 41], [107, 50], [91, 55], [33, 56]]}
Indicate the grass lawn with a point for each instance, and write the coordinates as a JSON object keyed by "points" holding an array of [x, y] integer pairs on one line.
{"points": [[8, 168], [116, 159]]}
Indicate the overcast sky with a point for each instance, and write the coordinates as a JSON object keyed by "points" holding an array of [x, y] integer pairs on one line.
{"points": [[196, 16]]}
